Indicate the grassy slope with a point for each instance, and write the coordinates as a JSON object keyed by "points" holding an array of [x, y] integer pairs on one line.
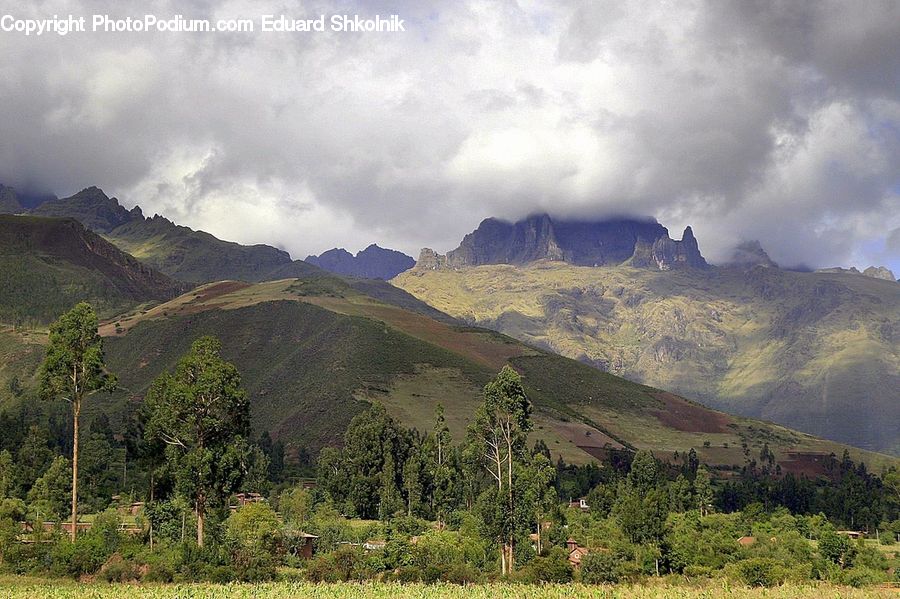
{"points": [[198, 257], [314, 352], [816, 351], [47, 265], [21, 353]]}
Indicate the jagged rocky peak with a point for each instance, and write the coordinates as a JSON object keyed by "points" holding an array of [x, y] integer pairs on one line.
{"points": [[749, 254], [371, 263], [880, 272], [9, 201], [876, 272], [641, 243], [92, 207], [430, 260]]}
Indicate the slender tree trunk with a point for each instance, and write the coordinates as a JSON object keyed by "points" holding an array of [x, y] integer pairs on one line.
{"points": [[76, 413], [503, 566], [509, 470], [200, 517]]}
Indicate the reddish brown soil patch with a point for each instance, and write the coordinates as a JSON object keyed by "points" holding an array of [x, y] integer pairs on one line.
{"points": [[690, 418], [584, 436], [468, 344], [601, 454], [808, 463], [219, 289]]}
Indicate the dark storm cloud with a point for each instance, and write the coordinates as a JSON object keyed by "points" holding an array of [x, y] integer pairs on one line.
{"points": [[769, 120]]}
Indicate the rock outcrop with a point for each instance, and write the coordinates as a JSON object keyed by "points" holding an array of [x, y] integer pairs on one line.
{"points": [[9, 201], [92, 208], [880, 272], [640, 243], [749, 254], [876, 272], [371, 263]]}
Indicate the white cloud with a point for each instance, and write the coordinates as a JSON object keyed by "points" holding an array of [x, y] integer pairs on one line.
{"points": [[779, 123]]}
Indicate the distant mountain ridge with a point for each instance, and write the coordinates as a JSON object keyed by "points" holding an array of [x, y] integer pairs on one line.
{"points": [[639, 243], [92, 208], [875, 272], [48, 264], [749, 254], [180, 252], [371, 263], [9, 201]]}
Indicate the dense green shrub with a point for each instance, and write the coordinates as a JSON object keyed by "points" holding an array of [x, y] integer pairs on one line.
{"points": [[758, 572], [203, 564], [346, 563], [551, 567], [837, 548], [118, 569], [253, 534], [160, 565], [860, 576], [600, 567]]}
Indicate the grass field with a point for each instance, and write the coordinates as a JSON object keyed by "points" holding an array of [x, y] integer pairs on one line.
{"points": [[25, 588]]}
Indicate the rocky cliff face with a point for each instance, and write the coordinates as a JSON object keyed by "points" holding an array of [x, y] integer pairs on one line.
{"points": [[92, 208], [9, 201], [371, 263], [875, 272], [749, 254], [644, 244], [71, 245], [880, 272]]}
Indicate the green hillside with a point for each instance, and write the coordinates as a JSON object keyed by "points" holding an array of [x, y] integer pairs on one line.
{"points": [[198, 257], [313, 356], [818, 352], [180, 252], [47, 265]]}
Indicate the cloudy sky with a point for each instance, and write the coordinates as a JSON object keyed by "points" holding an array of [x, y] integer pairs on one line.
{"points": [[777, 121]]}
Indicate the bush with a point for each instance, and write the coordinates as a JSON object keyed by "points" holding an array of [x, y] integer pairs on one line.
{"points": [[254, 537], [860, 576], [552, 567], [347, 563], [86, 555], [698, 571], [118, 569], [837, 548], [461, 573], [159, 570], [408, 574], [600, 567], [871, 558], [207, 564], [759, 572]]}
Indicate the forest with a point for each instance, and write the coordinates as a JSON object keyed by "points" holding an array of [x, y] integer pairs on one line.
{"points": [[185, 491]]}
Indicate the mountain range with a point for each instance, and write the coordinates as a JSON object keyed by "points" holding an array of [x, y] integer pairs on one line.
{"points": [[48, 264], [371, 263], [182, 253], [315, 347], [816, 351], [581, 243]]}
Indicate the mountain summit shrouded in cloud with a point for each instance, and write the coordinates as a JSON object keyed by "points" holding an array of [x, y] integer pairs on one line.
{"points": [[769, 121]]}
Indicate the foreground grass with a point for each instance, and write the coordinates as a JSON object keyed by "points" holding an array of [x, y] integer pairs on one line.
{"points": [[29, 588]]}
